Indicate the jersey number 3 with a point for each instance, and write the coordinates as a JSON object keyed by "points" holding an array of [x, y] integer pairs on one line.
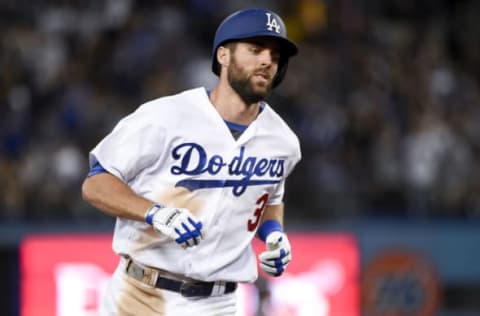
{"points": [[253, 223]]}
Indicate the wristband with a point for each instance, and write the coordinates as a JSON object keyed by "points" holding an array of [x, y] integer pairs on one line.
{"points": [[267, 227], [150, 212]]}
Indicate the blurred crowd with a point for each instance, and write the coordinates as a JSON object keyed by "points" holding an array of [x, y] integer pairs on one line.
{"points": [[384, 96]]}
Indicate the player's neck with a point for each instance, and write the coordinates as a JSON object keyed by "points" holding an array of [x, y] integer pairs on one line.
{"points": [[232, 108]]}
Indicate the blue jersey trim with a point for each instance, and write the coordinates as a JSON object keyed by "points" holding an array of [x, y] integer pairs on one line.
{"points": [[96, 169], [236, 127], [240, 127]]}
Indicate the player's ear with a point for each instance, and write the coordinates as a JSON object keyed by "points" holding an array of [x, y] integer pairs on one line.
{"points": [[223, 56]]}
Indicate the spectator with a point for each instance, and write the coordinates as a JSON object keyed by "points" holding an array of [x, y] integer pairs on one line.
{"points": [[385, 98]]}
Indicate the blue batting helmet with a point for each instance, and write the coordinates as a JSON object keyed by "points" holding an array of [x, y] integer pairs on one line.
{"points": [[253, 23]]}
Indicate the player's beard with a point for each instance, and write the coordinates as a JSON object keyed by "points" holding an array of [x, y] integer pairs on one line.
{"points": [[244, 86]]}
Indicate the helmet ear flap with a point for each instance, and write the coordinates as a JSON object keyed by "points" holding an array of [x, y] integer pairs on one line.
{"points": [[282, 70]]}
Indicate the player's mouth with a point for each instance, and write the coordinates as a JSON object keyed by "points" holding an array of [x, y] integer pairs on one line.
{"points": [[261, 76]]}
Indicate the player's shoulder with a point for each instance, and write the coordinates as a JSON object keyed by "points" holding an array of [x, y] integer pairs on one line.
{"points": [[167, 110]]}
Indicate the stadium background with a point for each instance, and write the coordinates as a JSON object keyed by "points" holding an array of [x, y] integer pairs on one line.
{"points": [[384, 96]]}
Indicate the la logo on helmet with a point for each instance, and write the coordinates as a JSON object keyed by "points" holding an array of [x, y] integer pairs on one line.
{"points": [[272, 23]]}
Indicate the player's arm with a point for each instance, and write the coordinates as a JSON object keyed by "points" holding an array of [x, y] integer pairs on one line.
{"points": [[275, 259], [112, 196], [273, 212]]}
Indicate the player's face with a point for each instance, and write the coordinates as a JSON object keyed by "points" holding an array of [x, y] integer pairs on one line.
{"points": [[252, 68]]}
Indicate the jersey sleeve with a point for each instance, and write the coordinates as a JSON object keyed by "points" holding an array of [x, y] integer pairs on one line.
{"points": [[277, 195], [135, 143]]}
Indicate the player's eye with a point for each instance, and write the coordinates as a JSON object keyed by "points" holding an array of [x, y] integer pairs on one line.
{"points": [[255, 49], [275, 56]]}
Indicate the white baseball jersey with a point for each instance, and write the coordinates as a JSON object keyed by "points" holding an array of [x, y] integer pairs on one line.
{"points": [[179, 152]]}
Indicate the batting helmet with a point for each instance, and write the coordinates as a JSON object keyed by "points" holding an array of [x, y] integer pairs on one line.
{"points": [[253, 23]]}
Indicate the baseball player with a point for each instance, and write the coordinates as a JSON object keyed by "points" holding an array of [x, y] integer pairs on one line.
{"points": [[192, 178]]}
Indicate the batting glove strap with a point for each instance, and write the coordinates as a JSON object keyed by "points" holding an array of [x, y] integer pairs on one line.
{"points": [[150, 212], [278, 255], [177, 223]]}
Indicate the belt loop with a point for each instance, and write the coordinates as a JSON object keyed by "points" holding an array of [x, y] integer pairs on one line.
{"points": [[218, 288], [141, 273], [128, 262], [150, 276]]}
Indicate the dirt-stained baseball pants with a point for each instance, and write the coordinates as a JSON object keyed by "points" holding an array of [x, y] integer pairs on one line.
{"points": [[126, 296]]}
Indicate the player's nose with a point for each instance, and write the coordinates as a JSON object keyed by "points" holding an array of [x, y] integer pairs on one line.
{"points": [[266, 57]]}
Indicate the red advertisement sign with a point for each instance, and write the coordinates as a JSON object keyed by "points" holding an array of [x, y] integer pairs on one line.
{"points": [[66, 275]]}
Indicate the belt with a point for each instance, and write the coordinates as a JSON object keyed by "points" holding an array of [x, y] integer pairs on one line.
{"points": [[186, 288]]}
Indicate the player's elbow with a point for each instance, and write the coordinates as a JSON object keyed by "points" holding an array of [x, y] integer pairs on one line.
{"points": [[88, 190]]}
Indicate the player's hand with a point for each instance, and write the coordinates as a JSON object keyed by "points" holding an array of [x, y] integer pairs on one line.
{"points": [[177, 223], [276, 258]]}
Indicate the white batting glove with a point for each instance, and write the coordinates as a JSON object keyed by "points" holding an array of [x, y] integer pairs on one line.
{"points": [[278, 255], [177, 223]]}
